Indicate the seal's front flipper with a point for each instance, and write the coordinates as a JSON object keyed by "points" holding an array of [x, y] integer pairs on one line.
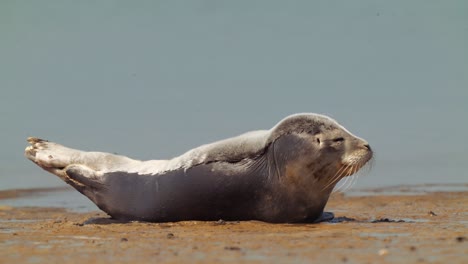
{"points": [[325, 217]]}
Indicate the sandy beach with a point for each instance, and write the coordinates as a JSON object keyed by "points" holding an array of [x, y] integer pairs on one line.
{"points": [[373, 227]]}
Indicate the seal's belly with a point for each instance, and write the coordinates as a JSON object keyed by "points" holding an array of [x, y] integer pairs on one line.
{"points": [[227, 191], [205, 192]]}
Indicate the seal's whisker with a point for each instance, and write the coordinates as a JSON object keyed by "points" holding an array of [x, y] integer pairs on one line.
{"points": [[276, 162], [342, 185], [330, 179], [339, 185], [367, 167], [352, 182], [355, 176], [333, 178], [356, 179], [348, 180], [351, 170], [343, 174], [338, 176]]}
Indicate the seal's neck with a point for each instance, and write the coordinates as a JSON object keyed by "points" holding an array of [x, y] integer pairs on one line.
{"points": [[294, 193]]}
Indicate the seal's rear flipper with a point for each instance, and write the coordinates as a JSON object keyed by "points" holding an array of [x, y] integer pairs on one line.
{"points": [[62, 161], [49, 155]]}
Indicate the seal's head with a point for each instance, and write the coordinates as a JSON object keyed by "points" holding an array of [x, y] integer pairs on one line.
{"points": [[317, 149]]}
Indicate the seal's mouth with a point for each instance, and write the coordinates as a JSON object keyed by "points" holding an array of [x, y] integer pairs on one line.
{"points": [[348, 167]]}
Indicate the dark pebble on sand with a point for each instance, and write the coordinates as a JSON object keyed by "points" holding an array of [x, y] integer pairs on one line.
{"points": [[123, 239], [232, 248], [461, 239], [386, 220], [412, 248], [170, 236], [341, 219], [381, 220], [432, 213]]}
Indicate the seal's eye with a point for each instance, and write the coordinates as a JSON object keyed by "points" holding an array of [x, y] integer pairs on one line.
{"points": [[340, 139], [318, 140]]}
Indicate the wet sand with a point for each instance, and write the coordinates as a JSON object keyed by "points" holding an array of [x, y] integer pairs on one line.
{"points": [[408, 227]]}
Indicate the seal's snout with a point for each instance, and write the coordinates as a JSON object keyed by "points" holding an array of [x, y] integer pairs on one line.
{"points": [[358, 155]]}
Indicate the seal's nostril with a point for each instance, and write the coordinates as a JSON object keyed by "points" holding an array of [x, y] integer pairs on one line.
{"points": [[367, 146]]}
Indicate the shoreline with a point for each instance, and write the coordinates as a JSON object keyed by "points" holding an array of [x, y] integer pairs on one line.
{"points": [[67, 197], [427, 227], [30, 192]]}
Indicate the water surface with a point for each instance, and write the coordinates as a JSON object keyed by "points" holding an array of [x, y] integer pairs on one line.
{"points": [[154, 79]]}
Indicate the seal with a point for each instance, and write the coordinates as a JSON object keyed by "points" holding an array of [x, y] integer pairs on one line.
{"points": [[282, 175]]}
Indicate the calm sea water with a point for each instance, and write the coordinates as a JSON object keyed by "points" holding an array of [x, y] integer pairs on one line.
{"points": [[153, 79]]}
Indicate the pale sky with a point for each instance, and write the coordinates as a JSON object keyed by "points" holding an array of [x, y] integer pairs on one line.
{"points": [[152, 79]]}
